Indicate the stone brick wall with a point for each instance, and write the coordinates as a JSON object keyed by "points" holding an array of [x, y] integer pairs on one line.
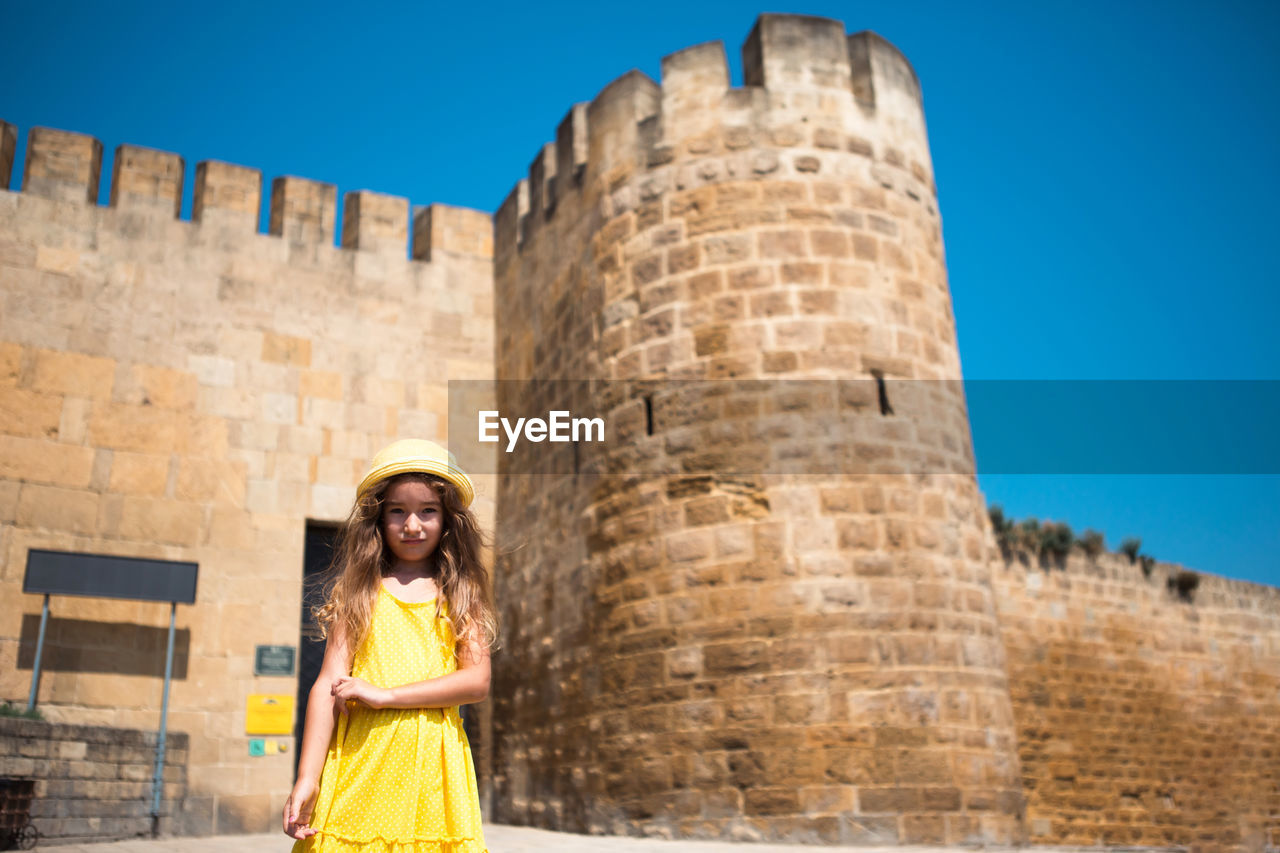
{"points": [[745, 653], [822, 646], [199, 391], [1145, 716], [93, 783]]}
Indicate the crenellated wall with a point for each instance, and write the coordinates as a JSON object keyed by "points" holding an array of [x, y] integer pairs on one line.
{"points": [[772, 609], [1147, 703], [702, 648], [200, 391]]}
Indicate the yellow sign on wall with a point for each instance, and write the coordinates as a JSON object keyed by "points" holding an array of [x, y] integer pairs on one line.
{"points": [[269, 714]]}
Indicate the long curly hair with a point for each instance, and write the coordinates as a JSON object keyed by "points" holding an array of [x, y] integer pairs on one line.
{"points": [[361, 557]]}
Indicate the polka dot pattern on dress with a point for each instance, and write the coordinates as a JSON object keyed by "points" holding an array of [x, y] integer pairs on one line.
{"points": [[399, 780]]}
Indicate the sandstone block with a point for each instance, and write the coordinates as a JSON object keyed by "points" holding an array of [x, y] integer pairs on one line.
{"points": [[164, 387], [808, 273], [38, 461], [751, 278], [138, 473], [375, 222], [329, 503], [143, 429], [164, 521], [62, 166], [795, 51], [200, 435], [881, 800], [8, 148], [8, 503], [27, 413], [73, 374], [924, 829], [211, 481], [771, 801], [52, 508], [10, 363], [689, 546], [693, 80], [830, 244], [57, 264], [278, 409], [340, 472], [807, 164], [72, 749], [865, 247], [144, 179], [728, 658], [286, 349], [684, 663], [455, 230], [227, 195], [683, 259], [320, 383], [217, 371], [782, 244], [303, 211]]}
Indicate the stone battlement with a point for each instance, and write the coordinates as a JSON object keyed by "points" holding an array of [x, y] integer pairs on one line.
{"points": [[66, 167], [721, 626], [857, 92]]}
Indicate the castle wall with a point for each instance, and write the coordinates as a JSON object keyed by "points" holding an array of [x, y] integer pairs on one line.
{"points": [[1144, 716], [805, 649], [199, 391], [708, 631]]}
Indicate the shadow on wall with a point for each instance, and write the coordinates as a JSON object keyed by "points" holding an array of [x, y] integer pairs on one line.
{"points": [[77, 645]]}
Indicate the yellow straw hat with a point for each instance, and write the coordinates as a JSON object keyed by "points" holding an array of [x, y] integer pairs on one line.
{"points": [[417, 455]]}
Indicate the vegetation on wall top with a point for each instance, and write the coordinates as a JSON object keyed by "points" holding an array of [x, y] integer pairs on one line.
{"points": [[1049, 543]]}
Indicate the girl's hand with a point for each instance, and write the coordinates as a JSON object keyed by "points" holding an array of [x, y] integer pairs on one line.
{"points": [[346, 689], [297, 809]]}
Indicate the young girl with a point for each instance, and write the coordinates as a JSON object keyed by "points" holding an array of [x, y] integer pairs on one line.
{"points": [[409, 620]]}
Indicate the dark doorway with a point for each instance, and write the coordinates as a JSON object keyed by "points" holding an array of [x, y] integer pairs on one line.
{"points": [[317, 555]]}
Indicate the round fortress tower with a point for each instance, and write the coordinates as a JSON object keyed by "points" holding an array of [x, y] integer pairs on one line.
{"points": [[804, 651]]}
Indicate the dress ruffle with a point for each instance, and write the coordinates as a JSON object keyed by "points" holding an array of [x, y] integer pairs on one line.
{"points": [[326, 842]]}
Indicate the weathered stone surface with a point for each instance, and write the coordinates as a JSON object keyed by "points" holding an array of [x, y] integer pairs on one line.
{"points": [[1127, 699], [147, 180], [748, 263], [62, 166], [93, 783], [303, 211]]}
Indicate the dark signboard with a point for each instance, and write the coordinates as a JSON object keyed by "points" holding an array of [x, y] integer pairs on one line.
{"points": [[274, 660], [102, 576]]}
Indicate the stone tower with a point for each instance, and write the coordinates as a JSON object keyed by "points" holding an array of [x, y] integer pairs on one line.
{"points": [[702, 649]]}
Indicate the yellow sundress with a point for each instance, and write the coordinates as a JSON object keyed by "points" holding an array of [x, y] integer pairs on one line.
{"points": [[399, 780]]}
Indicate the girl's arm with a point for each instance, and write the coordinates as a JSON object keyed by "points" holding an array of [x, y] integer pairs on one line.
{"points": [[469, 684], [317, 731]]}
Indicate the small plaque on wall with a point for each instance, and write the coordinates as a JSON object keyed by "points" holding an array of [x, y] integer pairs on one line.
{"points": [[268, 715], [274, 660]]}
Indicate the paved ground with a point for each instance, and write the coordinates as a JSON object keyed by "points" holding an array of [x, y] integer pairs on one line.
{"points": [[501, 839]]}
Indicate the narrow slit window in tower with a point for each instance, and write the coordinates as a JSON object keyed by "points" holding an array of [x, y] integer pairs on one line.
{"points": [[882, 392]]}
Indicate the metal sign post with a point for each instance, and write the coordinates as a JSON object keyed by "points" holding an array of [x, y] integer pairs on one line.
{"points": [[157, 782], [35, 669]]}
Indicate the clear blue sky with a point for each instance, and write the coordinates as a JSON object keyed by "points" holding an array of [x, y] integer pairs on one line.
{"points": [[1107, 171]]}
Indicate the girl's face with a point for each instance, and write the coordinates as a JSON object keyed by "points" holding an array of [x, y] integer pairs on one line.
{"points": [[412, 521]]}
